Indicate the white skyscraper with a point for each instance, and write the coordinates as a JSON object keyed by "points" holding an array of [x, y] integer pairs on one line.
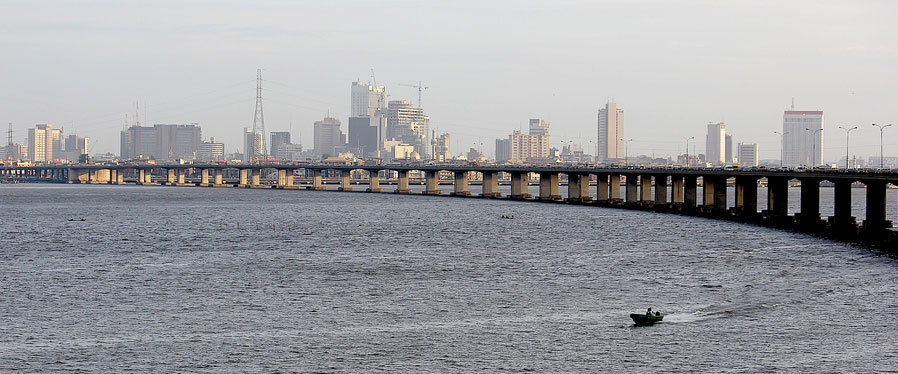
{"points": [[610, 144], [715, 143], [802, 137], [748, 154], [366, 99]]}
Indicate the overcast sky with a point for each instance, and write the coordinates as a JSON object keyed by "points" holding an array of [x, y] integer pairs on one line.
{"points": [[673, 66]]}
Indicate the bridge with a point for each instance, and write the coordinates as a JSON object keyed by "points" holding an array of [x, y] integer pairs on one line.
{"points": [[673, 190]]}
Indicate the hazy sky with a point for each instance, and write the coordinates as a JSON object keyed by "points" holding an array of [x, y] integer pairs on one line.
{"points": [[673, 66]]}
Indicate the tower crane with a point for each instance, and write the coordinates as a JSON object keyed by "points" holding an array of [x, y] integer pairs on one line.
{"points": [[420, 88]]}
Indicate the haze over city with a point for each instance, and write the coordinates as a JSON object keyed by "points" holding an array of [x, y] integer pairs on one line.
{"points": [[490, 66]]}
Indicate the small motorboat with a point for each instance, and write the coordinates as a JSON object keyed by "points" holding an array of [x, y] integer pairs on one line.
{"points": [[507, 217], [77, 220], [642, 319]]}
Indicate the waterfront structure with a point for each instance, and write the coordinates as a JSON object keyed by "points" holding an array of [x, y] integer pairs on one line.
{"points": [[327, 137], [802, 137], [610, 145], [44, 143], [211, 151], [748, 154], [366, 100], [530, 147], [161, 142], [715, 143], [409, 125]]}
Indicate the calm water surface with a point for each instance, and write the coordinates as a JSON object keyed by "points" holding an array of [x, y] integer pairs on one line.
{"points": [[162, 279]]}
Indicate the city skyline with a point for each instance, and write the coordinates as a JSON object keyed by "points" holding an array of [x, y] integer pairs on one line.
{"points": [[182, 74]]}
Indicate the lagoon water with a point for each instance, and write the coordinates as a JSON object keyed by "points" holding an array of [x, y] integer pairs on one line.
{"points": [[164, 279]]}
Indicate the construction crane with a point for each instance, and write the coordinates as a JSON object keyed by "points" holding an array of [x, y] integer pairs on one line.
{"points": [[419, 87]]}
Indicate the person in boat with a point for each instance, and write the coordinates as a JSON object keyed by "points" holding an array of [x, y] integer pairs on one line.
{"points": [[648, 312], [657, 314]]}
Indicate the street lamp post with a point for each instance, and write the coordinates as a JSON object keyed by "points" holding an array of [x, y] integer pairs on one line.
{"points": [[782, 146], [687, 148], [813, 140], [881, 127], [626, 151], [847, 131]]}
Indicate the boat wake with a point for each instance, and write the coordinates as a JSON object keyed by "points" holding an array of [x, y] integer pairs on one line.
{"points": [[718, 311]]}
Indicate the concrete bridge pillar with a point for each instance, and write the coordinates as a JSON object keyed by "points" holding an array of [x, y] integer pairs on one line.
{"points": [[842, 205], [145, 176], [219, 178], [461, 184], [660, 190], [256, 177], [645, 189], [632, 189], [180, 173], [99, 176], [204, 177], [548, 186], [432, 182], [876, 206], [316, 181], [614, 188], [170, 177], [602, 187], [244, 178], [778, 196], [690, 191], [113, 176], [490, 185], [79, 176], [289, 178], [578, 188], [809, 215], [519, 183], [345, 180], [746, 196], [374, 181], [402, 186], [282, 178]]}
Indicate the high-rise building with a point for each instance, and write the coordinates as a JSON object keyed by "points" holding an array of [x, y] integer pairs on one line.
{"points": [[44, 143], [532, 146], [610, 145], [503, 150], [211, 151], [161, 142], [409, 125], [715, 143], [366, 135], [748, 154], [441, 152], [802, 137], [75, 146], [366, 99], [327, 136], [252, 144], [728, 148], [278, 143]]}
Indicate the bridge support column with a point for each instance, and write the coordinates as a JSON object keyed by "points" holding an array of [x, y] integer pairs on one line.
{"points": [[602, 188], [100, 176], [490, 184], [289, 178], [645, 190], [578, 188], [548, 187], [180, 174], [113, 176], [374, 181], [120, 177], [632, 189], [432, 182], [461, 184], [204, 177], [169, 177], [317, 185], [282, 178], [690, 192], [777, 197], [715, 194], [256, 178], [746, 196], [876, 207], [244, 178], [145, 176], [79, 176], [219, 178], [809, 216], [519, 183], [614, 188], [842, 220], [345, 180], [660, 191], [402, 187]]}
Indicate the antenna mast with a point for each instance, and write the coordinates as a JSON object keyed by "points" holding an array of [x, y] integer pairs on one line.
{"points": [[259, 119]]}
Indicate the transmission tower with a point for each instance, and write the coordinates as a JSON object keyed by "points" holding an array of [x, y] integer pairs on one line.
{"points": [[9, 143], [259, 120]]}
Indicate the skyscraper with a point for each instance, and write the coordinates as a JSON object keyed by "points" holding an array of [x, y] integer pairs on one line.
{"points": [[610, 145], [252, 144], [327, 136], [715, 143], [409, 125], [44, 143], [532, 146], [802, 137], [503, 150], [748, 154], [366, 99]]}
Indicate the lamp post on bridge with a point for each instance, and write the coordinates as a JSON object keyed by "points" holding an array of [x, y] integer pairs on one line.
{"points": [[814, 140], [687, 148], [782, 146], [881, 127], [626, 151], [847, 132]]}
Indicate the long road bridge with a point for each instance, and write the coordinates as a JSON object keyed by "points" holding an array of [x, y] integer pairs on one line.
{"points": [[672, 190]]}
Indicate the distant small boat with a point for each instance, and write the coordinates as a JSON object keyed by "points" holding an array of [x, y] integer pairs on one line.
{"points": [[507, 217], [77, 220], [642, 319]]}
